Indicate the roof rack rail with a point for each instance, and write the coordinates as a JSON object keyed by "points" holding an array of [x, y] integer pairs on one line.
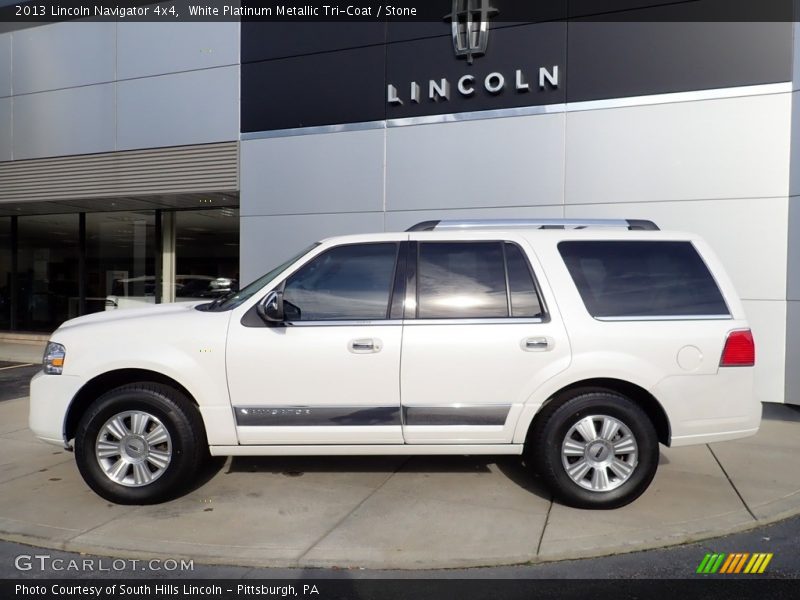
{"points": [[632, 224]]}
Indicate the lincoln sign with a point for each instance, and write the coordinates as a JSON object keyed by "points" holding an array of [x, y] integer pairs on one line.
{"points": [[493, 83]]}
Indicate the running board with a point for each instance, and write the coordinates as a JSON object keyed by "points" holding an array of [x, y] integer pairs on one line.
{"points": [[364, 450]]}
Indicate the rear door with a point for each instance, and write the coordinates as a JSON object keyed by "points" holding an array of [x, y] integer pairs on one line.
{"points": [[478, 338]]}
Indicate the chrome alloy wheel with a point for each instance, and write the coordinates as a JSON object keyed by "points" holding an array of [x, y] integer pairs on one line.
{"points": [[599, 453], [133, 448]]}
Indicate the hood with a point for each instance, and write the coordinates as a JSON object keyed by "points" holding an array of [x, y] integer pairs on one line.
{"points": [[128, 314]]}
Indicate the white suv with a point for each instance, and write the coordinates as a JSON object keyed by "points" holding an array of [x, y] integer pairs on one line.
{"points": [[579, 345]]}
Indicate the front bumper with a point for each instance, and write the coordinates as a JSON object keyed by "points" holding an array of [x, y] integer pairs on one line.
{"points": [[51, 396]]}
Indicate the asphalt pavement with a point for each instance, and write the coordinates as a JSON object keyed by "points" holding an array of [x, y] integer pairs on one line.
{"points": [[15, 378]]}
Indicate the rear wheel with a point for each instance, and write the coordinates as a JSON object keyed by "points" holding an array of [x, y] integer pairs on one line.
{"points": [[140, 443], [596, 449]]}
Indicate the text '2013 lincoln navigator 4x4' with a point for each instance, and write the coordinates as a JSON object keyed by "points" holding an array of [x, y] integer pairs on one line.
{"points": [[580, 345]]}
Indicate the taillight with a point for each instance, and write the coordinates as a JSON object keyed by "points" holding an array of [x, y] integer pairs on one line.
{"points": [[740, 350]]}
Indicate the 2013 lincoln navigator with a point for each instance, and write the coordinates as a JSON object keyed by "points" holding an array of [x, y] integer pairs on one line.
{"points": [[579, 345]]}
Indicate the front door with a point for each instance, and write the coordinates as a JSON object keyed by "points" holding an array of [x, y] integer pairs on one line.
{"points": [[329, 374]]}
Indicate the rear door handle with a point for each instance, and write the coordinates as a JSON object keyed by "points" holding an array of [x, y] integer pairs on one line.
{"points": [[365, 346], [536, 344]]}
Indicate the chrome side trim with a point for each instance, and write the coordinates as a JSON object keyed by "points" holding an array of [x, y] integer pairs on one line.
{"points": [[495, 321], [477, 115], [366, 449], [376, 322], [557, 108], [413, 321], [668, 318], [279, 133], [293, 416], [456, 414]]}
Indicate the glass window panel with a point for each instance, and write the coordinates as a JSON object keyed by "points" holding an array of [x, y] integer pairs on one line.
{"points": [[47, 264], [120, 260], [5, 272], [524, 299], [206, 253], [344, 283], [642, 279], [461, 280]]}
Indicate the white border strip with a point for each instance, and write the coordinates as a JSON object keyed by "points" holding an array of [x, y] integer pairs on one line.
{"points": [[694, 96], [632, 101]]}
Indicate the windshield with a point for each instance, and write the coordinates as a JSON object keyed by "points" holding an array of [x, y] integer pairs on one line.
{"points": [[247, 291]]}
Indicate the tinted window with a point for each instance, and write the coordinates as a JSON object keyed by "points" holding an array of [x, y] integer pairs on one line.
{"points": [[524, 299], [642, 279], [461, 280], [344, 283]]}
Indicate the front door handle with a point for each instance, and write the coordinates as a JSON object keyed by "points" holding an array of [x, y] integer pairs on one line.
{"points": [[536, 344], [365, 346]]}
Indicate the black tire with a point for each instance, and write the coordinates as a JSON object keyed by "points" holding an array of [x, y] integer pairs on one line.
{"points": [[187, 442], [549, 433]]}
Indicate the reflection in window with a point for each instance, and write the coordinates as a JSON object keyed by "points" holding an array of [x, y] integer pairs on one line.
{"points": [[206, 253], [461, 280], [524, 299], [120, 260], [47, 271], [5, 272], [641, 278], [345, 283]]}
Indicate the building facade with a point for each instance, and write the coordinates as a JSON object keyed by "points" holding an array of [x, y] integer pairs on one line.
{"points": [[134, 156]]}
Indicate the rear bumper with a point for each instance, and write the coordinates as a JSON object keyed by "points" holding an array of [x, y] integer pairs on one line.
{"points": [[710, 408]]}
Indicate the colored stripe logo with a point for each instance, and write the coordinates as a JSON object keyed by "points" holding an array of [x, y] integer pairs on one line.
{"points": [[734, 563]]}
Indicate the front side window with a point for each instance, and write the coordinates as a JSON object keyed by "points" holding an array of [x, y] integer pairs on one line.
{"points": [[344, 283], [642, 279]]}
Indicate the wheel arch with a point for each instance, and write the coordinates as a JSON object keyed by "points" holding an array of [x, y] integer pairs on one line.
{"points": [[97, 386], [651, 406]]}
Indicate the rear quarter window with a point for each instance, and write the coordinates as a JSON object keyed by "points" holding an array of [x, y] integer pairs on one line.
{"points": [[642, 279]]}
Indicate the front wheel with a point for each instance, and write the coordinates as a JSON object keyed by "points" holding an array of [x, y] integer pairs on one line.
{"points": [[139, 444], [597, 449]]}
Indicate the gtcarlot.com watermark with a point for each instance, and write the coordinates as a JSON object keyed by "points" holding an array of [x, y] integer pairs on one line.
{"points": [[45, 563]]}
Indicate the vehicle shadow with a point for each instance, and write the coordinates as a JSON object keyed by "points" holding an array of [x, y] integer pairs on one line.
{"points": [[209, 469], [511, 467]]}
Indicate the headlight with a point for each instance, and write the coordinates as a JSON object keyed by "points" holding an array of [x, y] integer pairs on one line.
{"points": [[53, 361]]}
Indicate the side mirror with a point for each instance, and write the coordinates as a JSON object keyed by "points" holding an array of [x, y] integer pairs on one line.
{"points": [[270, 308]]}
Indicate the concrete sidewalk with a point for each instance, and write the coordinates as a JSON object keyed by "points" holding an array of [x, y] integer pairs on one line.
{"points": [[394, 512], [22, 351]]}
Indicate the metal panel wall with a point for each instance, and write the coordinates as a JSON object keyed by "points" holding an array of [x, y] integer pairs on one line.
{"points": [[494, 162], [5, 65], [63, 55], [93, 87], [76, 120], [338, 172], [145, 49], [194, 107], [5, 128], [730, 148]]}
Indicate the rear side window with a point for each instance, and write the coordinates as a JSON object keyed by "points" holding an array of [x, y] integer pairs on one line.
{"points": [[475, 280], [642, 279], [522, 291], [461, 280]]}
